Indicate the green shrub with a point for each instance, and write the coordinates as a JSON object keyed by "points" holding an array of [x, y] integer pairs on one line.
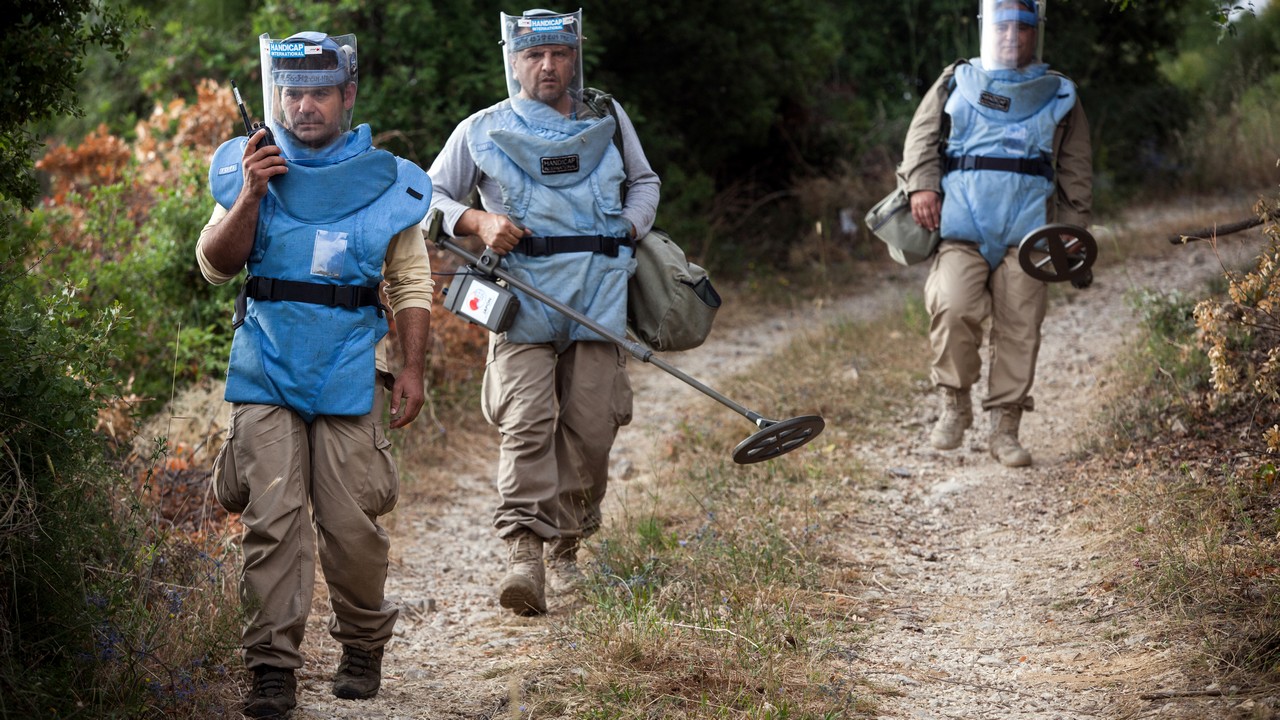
{"points": [[94, 610], [180, 329]]}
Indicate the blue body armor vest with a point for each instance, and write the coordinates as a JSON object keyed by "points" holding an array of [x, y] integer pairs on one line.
{"points": [[559, 177], [1001, 119], [328, 221]]}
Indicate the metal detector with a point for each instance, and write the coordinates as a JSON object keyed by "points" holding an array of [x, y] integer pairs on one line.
{"points": [[1045, 255], [774, 437]]}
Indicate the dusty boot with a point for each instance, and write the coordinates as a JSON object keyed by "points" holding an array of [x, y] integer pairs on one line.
{"points": [[359, 674], [563, 573], [274, 693], [522, 590], [1003, 441], [957, 416]]}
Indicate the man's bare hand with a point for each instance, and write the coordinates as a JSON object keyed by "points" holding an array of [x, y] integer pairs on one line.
{"points": [[497, 231], [260, 165], [926, 208], [408, 395]]}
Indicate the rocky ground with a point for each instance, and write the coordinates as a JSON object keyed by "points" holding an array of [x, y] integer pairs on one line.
{"points": [[982, 583]]}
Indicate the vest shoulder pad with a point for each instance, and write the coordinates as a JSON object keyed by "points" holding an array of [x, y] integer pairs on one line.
{"points": [[225, 174], [417, 187], [949, 72]]}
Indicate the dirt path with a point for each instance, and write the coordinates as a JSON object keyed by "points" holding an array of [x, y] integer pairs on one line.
{"points": [[985, 594], [982, 589], [982, 579]]}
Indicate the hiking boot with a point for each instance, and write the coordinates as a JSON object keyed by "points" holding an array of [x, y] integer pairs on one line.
{"points": [[1003, 441], [522, 590], [563, 573], [957, 416], [274, 693], [359, 674]]}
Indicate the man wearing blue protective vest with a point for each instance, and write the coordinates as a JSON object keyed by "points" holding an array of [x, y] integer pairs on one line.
{"points": [[1016, 156], [320, 218], [563, 206]]}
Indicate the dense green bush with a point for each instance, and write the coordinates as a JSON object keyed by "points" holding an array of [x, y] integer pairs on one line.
{"points": [[90, 594], [180, 328]]}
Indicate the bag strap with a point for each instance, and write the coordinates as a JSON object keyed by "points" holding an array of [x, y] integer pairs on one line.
{"points": [[601, 103], [944, 130]]}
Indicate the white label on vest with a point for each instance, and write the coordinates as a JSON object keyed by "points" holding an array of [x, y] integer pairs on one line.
{"points": [[559, 165], [478, 302]]}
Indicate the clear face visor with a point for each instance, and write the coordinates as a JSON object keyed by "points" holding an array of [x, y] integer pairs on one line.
{"points": [[542, 55], [309, 85], [1011, 33]]}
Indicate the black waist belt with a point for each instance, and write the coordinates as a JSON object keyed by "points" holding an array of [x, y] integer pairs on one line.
{"points": [[265, 288], [536, 246], [1026, 166]]}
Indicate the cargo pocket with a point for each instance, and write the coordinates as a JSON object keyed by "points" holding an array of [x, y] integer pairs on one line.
{"points": [[491, 402], [381, 488], [231, 492], [621, 400]]}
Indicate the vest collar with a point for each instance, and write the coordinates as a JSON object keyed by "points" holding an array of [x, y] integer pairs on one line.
{"points": [[1007, 95], [346, 146], [349, 176]]}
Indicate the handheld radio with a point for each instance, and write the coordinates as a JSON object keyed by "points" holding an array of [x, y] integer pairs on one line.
{"points": [[251, 127]]}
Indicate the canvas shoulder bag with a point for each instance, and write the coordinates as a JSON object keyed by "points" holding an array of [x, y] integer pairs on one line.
{"points": [[891, 222], [670, 301]]}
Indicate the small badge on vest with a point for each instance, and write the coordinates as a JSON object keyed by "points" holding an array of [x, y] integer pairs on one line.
{"points": [[559, 165], [993, 101]]}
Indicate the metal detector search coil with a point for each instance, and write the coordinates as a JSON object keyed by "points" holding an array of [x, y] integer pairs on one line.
{"points": [[1059, 252], [481, 301]]}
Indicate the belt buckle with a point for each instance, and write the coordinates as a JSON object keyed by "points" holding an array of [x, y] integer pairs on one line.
{"points": [[267, 288], [344, 296], [538, 246]]}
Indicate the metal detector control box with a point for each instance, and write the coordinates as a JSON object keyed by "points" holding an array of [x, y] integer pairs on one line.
{"points": [[480, 300]]}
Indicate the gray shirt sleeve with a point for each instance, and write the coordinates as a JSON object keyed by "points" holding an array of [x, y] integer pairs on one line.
{"points": [[641, 206], [454, 176]]}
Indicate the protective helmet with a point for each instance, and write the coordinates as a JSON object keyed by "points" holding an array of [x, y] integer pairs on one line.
{"points": [[536, 28], [1012, 33], [306, 60]]}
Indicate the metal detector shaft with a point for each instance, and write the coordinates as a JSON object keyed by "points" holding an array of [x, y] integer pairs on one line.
{"points": [[639, 351]]}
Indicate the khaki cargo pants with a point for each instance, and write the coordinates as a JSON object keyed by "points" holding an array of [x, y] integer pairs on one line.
{"points": [[558, 414], [961, 292], [300, 486]]}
